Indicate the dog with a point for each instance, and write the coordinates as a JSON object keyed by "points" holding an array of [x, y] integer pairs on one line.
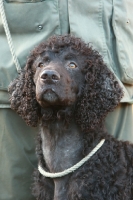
{"points": [[68, 90]]}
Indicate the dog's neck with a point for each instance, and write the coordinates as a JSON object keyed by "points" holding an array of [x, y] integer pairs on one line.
{"points": [[62, 146], [64, 143]]}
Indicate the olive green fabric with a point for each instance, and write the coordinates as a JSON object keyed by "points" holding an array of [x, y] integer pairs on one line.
{"points": [[119, 123], [106, 24], [17, 153]]}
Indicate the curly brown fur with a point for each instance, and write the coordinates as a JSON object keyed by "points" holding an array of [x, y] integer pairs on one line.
{"points": [[22, 95], [107, 175], [99, 90], [100, 95], [68, 88]]}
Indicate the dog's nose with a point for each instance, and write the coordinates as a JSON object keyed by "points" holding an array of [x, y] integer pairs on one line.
{"points": [[50, 75]]}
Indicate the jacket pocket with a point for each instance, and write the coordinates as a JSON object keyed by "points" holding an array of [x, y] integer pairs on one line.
{"points": [[123, 30], [86, 22]]}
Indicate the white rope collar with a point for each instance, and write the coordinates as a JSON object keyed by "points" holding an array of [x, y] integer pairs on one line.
{"points": [[71, 169]]}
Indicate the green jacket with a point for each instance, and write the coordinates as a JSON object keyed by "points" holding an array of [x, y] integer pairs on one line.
{"points": [[106, 24]]}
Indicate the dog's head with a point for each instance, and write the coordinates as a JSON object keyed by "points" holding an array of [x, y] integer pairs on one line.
{"points": [[61, 73], [58, 78]]}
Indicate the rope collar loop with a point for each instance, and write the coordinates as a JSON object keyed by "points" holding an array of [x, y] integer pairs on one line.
{"points": [[73, 168]]}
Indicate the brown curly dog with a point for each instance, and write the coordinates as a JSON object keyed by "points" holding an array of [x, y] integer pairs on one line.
{"points": [[66, 87]]}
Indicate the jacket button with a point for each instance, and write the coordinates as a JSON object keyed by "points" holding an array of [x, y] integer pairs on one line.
{"points": [[40, 27], [128, 21]]}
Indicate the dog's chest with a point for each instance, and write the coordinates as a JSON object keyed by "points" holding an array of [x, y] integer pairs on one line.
{"points": [[61, 148]]}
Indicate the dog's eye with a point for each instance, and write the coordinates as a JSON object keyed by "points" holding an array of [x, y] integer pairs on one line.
{"points": [[40, 65], [72, 65]]}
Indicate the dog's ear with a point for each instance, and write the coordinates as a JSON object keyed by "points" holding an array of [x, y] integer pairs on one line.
{"points": [[100, 95], [22, 95]]}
